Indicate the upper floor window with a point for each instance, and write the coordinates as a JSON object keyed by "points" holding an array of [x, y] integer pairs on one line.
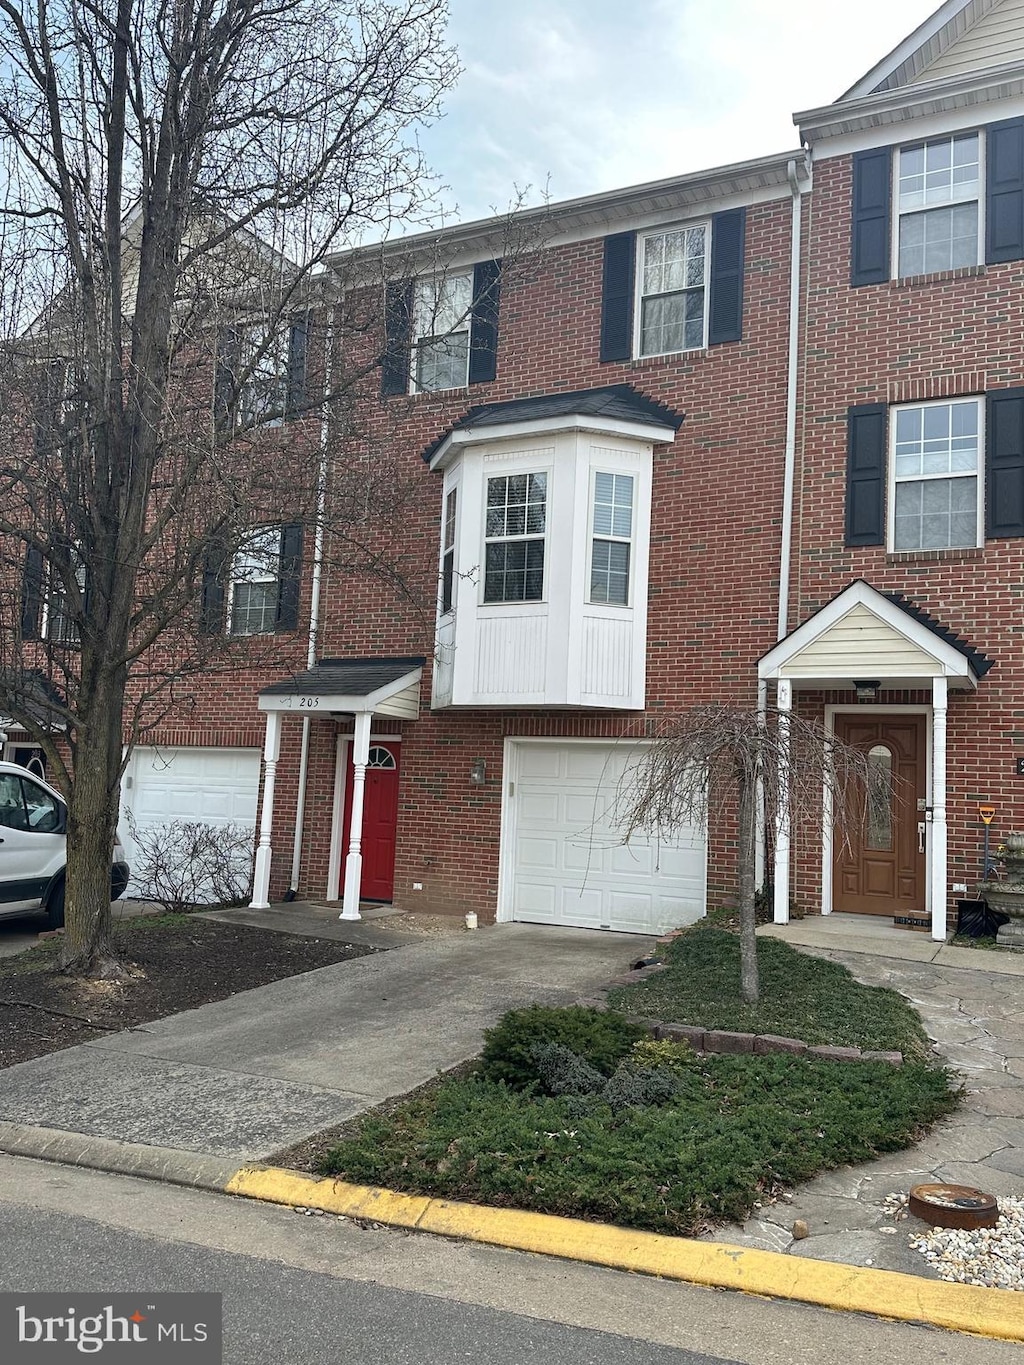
{"points": [[675, 289], [939, 204], [441, 326], [611, 543], [262, 372], [46, 606], [515, 524], [448, 551], [673, 315], [935, 476], [255, 590]]}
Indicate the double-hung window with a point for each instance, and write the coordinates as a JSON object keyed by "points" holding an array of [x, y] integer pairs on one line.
{"points": [[673, 290], [611, 542], [515, 524], [938, 193], [255, 584], [451, 505], [441, 328], [935, 479]]}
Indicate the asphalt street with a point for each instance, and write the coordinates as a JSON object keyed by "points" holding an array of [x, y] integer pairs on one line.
{"points": [[302, 1290]]}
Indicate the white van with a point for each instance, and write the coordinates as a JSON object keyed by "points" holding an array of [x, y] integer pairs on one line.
{"points": [[33, 847]]}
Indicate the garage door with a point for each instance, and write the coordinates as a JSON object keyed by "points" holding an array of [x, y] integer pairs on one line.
{"points": [[216, 786], [568, 864]]}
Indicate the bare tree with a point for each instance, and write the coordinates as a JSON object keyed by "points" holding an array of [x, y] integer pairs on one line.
{"points": [[712, 759], [177, 175]]}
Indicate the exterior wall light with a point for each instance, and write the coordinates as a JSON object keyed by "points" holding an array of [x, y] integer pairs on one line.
{"points": [[867, 691], [478, 773]]}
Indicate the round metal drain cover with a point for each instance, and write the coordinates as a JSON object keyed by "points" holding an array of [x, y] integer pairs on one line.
{"points": [[954, 1206]]}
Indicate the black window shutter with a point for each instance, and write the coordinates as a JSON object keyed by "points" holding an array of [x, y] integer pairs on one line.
{"points": [[865, 474], [215, 570], [483, 326], [617, 297], [394, 363], [298, 352], [224, 378], [728, 234], [872, 188], [288, 583], [1005, 463], [32, 595], [1004, 191]]}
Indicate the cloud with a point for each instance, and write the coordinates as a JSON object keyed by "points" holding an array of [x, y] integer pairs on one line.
{"points": [[593, 94]]}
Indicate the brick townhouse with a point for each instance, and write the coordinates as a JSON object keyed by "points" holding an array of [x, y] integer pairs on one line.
{"points": [[750, 434]]}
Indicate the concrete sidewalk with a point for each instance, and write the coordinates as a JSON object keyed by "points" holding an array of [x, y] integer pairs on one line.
{"points": [[257, 1072]]}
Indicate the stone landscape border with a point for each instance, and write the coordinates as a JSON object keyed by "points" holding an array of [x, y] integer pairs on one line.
{"points": [[737, 1044]]}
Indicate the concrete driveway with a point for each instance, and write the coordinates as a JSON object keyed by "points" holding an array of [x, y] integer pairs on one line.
{"points": [[263, 1069]]}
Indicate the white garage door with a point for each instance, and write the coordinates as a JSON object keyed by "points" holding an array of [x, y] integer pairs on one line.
{"points": [[568, 864], [217, 786]]}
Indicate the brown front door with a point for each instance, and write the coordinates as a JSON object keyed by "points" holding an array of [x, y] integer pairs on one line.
{"points": [[878, 859]]}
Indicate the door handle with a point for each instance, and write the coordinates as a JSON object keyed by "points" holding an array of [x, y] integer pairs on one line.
{"points": [[920, 836]]}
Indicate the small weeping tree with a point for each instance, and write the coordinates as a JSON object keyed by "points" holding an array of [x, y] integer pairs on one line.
{"points": [[764, 764]]}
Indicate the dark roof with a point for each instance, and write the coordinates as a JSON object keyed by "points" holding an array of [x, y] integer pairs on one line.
{"points": [[619, 401], [36, 694], [978, 661], [345, 677]]}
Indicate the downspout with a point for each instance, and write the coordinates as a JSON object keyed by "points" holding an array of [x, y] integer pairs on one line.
{"points": [[314, 620], [789, 467], [788, 474]]}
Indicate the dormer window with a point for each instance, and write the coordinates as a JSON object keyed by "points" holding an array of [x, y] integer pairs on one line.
{"points": [[515, 523]]}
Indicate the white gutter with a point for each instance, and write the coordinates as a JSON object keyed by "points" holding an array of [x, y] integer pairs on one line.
{"points": [[789, 468], [314, 617]]}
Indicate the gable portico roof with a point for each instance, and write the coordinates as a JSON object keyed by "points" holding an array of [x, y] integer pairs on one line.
{"points": [[864, 633], [386, 687]]}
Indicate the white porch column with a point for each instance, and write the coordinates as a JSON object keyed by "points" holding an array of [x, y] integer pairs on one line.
{"points": [[784, 704], [937, 848], [271, 753], [762, 720], [354, 865]]}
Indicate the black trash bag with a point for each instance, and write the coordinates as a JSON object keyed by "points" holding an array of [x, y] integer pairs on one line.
{"points": [[975, 919]]}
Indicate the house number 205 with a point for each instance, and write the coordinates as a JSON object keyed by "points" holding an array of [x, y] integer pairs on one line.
{"points": [[310, 703]]}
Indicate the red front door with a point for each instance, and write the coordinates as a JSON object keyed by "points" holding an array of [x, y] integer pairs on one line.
{"points": [[380, 822]]}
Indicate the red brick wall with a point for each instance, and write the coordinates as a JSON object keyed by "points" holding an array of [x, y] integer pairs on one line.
{"points": [[938, 336], [714, 557]]}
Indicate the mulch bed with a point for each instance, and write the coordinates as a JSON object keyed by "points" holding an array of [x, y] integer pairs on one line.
{"points": [[180, 966]]}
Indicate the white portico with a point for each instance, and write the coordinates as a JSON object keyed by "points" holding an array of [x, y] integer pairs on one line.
{"points": [[335, 688], [867, 642]]}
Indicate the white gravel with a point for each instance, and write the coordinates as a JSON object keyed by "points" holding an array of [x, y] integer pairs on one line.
{"points": [[990, 1257]]}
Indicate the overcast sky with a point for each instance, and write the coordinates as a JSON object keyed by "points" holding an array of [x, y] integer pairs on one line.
{"points": [[588, 95]]}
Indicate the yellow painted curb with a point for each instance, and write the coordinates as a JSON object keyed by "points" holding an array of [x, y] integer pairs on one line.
{"points": [[884, 1293]]}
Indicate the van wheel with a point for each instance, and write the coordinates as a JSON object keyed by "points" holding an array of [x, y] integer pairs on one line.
{"points": [[55, 907]]}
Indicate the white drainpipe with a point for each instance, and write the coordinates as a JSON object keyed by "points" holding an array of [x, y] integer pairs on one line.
{"points": [[314, 619], [789, 468]]}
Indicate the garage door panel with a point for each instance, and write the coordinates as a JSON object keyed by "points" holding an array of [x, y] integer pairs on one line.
{"points": [[541, 806], [214, 786], [569, 865]]}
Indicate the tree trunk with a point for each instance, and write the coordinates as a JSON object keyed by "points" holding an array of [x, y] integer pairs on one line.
{"points": [[92, 824], [749, 982]]}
